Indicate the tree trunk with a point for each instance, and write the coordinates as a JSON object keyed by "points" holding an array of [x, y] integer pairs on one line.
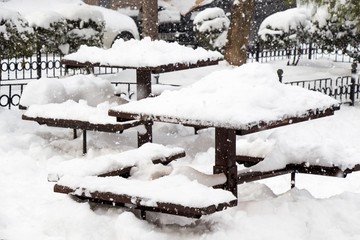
{"points": [[239, 30], [150, 19]]}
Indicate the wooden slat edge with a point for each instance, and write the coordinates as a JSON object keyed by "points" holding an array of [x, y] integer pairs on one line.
{"points": [[77, 124]]}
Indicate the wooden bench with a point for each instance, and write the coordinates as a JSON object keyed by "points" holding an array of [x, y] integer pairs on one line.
{"points": [[83, 178], [75, 124], [195, 199], [61, 103], [118, 164], [75, 115], [293, 169], [259, 148]]}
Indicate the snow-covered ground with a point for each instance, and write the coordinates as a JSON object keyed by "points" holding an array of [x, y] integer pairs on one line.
{"points": [[318, 208]]}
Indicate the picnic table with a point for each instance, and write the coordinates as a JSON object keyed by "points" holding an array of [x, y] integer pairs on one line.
{"points": [[145, 56], [235, 102]]}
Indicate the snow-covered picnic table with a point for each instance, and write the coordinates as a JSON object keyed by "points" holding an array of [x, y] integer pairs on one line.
{"points": [[145, 56], [240, 101]]}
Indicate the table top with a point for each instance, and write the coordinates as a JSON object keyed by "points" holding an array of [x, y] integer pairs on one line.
{"points": [[248, 99], [159, 56]]}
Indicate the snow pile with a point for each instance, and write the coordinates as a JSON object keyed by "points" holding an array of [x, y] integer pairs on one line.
{"points": [[93, 166], [211, 18], [285, 22], [79, 87], [15, 19], [43, 19], [26, 6], [84, 12], [80, 111], [237, 98], [142, 53], [321, 16], [211, 27]]}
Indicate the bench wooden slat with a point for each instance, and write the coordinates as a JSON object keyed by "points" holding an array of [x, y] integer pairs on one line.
{"points": [[169, 159], [84, 125], [122, 172], [125, 172], [297, 168]]}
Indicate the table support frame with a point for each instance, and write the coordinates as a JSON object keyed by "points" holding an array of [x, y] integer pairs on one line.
{"points": [[143, 83], [225, 153]]}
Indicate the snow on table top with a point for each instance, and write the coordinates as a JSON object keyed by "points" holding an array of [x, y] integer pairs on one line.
{"points": [[176, 189], [79, 87], [234, 98], [72, 110], [142, 53]]}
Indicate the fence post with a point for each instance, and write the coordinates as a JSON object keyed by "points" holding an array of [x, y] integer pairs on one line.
{"points": [[280, 73], [257, 52], [310, 51], [353, 80], [38, 64]]}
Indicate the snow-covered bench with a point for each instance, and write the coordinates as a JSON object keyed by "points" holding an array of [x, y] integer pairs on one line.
{"points": [[173, 194], [150, 187], [277, 156], [77, 102], [118, 164]]}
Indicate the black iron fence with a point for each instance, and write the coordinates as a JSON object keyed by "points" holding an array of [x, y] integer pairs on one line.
{"points": [[29, 68], [257, 54], [10, 94], [15, 73], [345, 89]]}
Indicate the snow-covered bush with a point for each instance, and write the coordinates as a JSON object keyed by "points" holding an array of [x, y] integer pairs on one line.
{"points": [[286, 30], [332, 29], [50, 31], [15, 35], [85, 26], [210, 27]]}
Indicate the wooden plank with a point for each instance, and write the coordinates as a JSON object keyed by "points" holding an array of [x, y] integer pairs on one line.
{"points": [[254, 176], [354, 169], [77, 124], [163, 207], [125, 172], [296, 168], [310, 115], [122, 172], [155, 70]]}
